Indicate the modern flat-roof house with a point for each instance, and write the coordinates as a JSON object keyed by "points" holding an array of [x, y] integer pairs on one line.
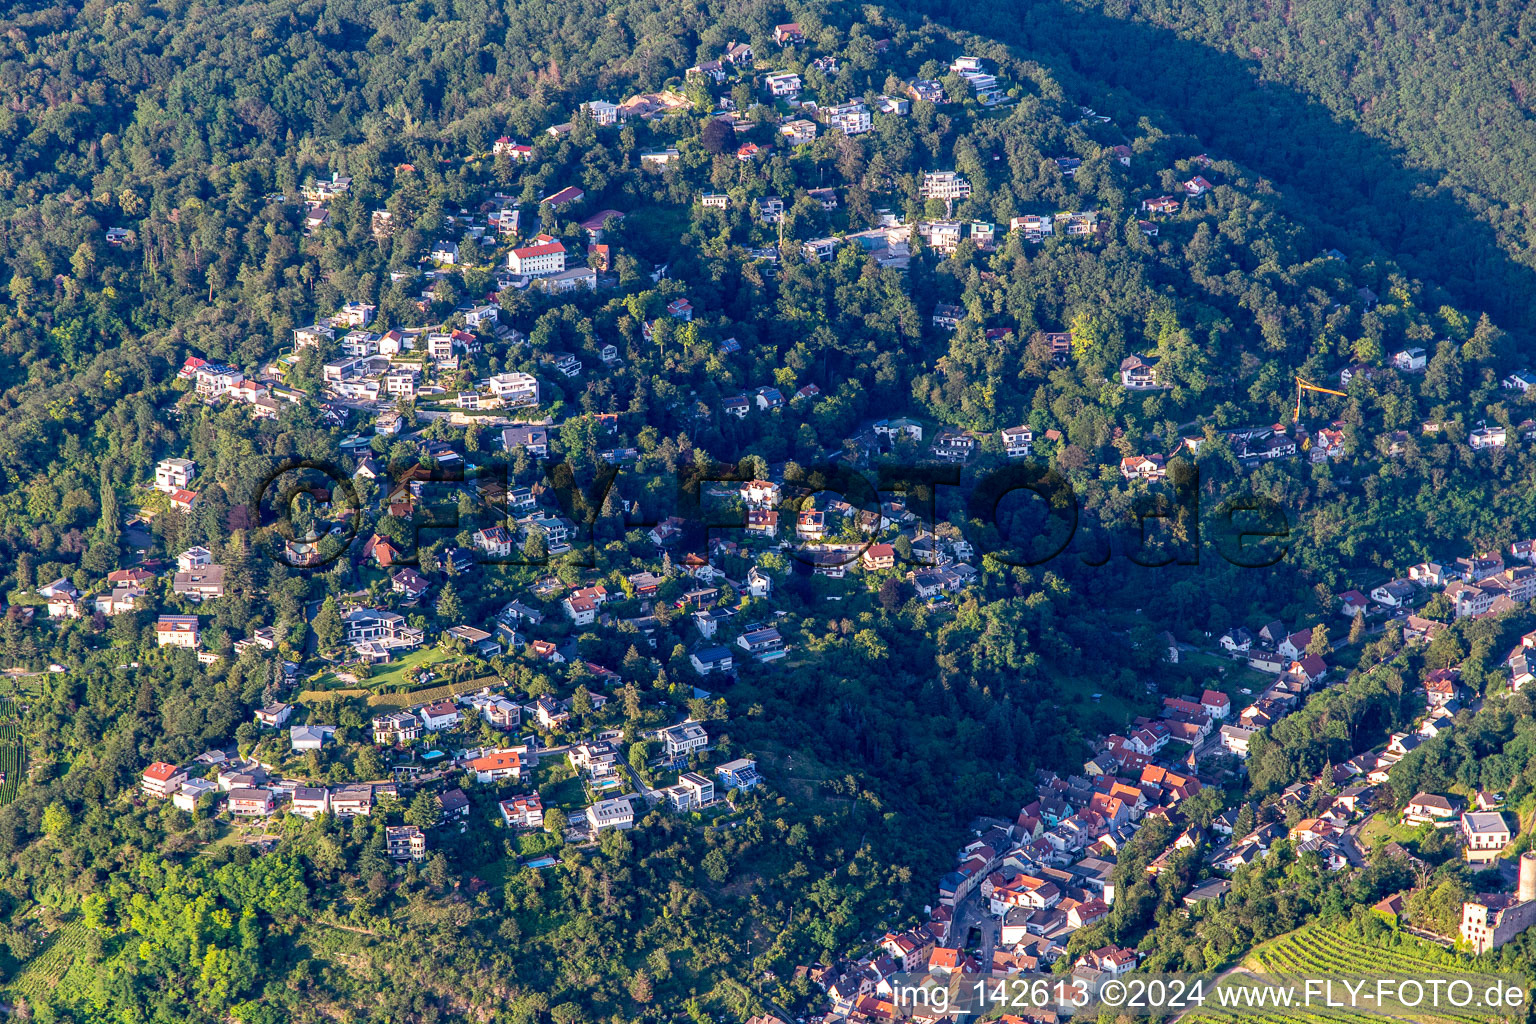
{"points": [[739, 774], [617, 812], [173, 475], [405, 842], [396, 727], [515, 389], [251, 803], [1486, 833], [692, 792], [375, 634], [683, 739]]}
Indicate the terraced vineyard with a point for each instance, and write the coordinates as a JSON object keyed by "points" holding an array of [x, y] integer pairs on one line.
{"points": [[427, 696], [1317, 951], [12, 754], [46, 969]]}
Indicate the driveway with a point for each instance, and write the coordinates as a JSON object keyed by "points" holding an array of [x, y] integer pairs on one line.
{"points": [[651, 796]]}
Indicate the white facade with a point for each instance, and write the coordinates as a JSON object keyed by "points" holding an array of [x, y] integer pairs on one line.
{"points": [[546, 256], [515, 389]]}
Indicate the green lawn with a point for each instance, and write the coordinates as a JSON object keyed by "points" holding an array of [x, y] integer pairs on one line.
{"points": [[397, 675], [1227, 675], [570, 795]]}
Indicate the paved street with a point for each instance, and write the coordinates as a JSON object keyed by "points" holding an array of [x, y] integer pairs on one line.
{"points": [[972, 913]]}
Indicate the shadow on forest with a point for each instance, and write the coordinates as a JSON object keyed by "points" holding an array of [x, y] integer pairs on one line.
{"points": [[1355, 188]]}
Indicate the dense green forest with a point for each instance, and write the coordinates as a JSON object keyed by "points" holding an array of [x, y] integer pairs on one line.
{"points": [[192, 125], [1401, 129]]}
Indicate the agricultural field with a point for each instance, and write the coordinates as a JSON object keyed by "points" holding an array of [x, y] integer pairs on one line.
{"points": [[1319, 951], [445, 692], [45, 970], [12, 753]]}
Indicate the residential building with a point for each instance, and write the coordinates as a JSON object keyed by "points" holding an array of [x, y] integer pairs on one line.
{"points": [[405, 842], [617, 812], [201, 584], [522, 811], [1139, 373], [497, 542], [496, 766], [1485, 833], [375, 634], [678, 741], [452, 804], [533, 440], [396, 727], [848, 118], [739, 774], [878, 557], [711, 659], [783, 84], [799, 132], [190, 792], [763, 644], [691, 792], [944, 185], [309, 737], [351, 801], [162, 780], [251, 802], [549, 714], [310, 801], [1428, 807], [926, 90], [544, 257], [193, 558], [1143, 467], [582, 605], [1017, 441], [174, 475], [177, 631], [439, 716]]}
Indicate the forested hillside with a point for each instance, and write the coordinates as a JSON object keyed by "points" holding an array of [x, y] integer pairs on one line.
{"points": [[1401, 126]]}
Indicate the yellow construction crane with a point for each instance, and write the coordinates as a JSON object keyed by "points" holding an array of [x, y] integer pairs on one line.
{"points": [[1306, 385]]}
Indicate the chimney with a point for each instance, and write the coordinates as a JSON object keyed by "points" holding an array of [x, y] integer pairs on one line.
{"points": [[1527, 891]]}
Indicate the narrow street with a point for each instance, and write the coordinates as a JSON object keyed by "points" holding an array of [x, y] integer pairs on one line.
{"points": [[973, 913]]}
